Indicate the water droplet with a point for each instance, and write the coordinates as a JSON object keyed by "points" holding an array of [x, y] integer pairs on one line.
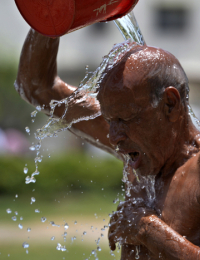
{"points": [[21, 218], [116, 200], [29, 229], [102, 235], [16, 196], [99, 248], [9, 211], [84, 233], [20, 226], [14, 218], [39, 108], [25, 245], [60, 247], [53, 224], [43, 219], [26, 251], [32, 148], [93, 252], [66, 226], [52, 238], [37, 211], [25, 170], [36, 172], [29, 179], [27, 129], [33, 200], [75, 222], [16, 213], [34, 113], [117, 149]]}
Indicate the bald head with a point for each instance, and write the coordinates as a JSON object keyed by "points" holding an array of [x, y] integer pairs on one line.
{"points": [[148, 66]]}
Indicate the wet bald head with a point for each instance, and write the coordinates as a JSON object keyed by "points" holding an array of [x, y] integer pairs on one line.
{"points": [[148, 66]]}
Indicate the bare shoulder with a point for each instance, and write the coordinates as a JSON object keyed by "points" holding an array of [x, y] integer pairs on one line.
{"points": [[193, 164], [188, 177], [193, 168]]}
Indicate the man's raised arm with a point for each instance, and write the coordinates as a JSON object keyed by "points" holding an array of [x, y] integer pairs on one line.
{"points": [[37, 82]]}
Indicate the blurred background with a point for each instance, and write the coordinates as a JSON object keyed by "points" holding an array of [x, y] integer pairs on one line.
{"points": [[77, 183]]}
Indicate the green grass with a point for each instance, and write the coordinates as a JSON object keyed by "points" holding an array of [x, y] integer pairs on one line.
{"points": [[43, 252], [86, 208], [70, 204]]}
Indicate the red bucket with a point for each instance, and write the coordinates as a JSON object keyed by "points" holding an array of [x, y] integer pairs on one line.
{"points": [[58, 17]]}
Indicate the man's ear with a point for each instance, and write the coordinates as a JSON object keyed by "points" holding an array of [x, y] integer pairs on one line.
{"points": [[172, 101]]}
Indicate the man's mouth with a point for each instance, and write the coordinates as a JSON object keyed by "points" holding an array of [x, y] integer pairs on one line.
{"points": [[134, 160], [134, 156]]}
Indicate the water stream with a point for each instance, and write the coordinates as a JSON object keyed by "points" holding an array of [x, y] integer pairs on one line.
{"points": [[129, 28]]}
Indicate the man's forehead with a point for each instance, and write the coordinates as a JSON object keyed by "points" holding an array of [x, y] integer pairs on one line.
{"points": [[121, 103]]}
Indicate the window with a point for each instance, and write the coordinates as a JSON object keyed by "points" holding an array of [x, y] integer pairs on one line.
{"points": [[171, 18]]}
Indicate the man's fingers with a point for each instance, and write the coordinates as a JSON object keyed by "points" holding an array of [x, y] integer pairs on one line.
{"points": [[112, 246]]}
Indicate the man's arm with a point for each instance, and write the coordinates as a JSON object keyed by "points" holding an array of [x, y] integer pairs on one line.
{"points": [[164, 242], [38, 83], [139, 225]]}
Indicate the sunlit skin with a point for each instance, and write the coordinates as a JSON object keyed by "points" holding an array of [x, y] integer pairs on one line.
{"points": [[165, 139], [161, 135]]}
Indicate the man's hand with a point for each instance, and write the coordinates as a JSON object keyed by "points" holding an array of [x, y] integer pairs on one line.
{"points": [[124, 223]]}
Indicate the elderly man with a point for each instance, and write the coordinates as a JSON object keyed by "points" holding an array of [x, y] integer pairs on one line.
{"points": [[144, 105]]}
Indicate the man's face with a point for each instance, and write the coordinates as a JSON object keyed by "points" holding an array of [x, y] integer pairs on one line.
{"points": [[137, 128]]}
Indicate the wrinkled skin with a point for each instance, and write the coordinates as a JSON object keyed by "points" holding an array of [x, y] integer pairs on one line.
{"points": [[162, 135]]}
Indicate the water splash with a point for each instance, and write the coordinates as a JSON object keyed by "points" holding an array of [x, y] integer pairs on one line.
{"points": [[89, 85], [193, 117], [60, 247], [129, 28]]}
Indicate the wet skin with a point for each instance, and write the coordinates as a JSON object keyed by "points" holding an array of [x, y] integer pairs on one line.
{"points": [[168, 147], [161, 140]]}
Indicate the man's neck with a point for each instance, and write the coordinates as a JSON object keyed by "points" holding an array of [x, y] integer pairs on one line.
{"points": [[187, 145]]}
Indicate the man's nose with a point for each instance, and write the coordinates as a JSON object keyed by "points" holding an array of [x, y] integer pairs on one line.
{"points": [[117, 133]]}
